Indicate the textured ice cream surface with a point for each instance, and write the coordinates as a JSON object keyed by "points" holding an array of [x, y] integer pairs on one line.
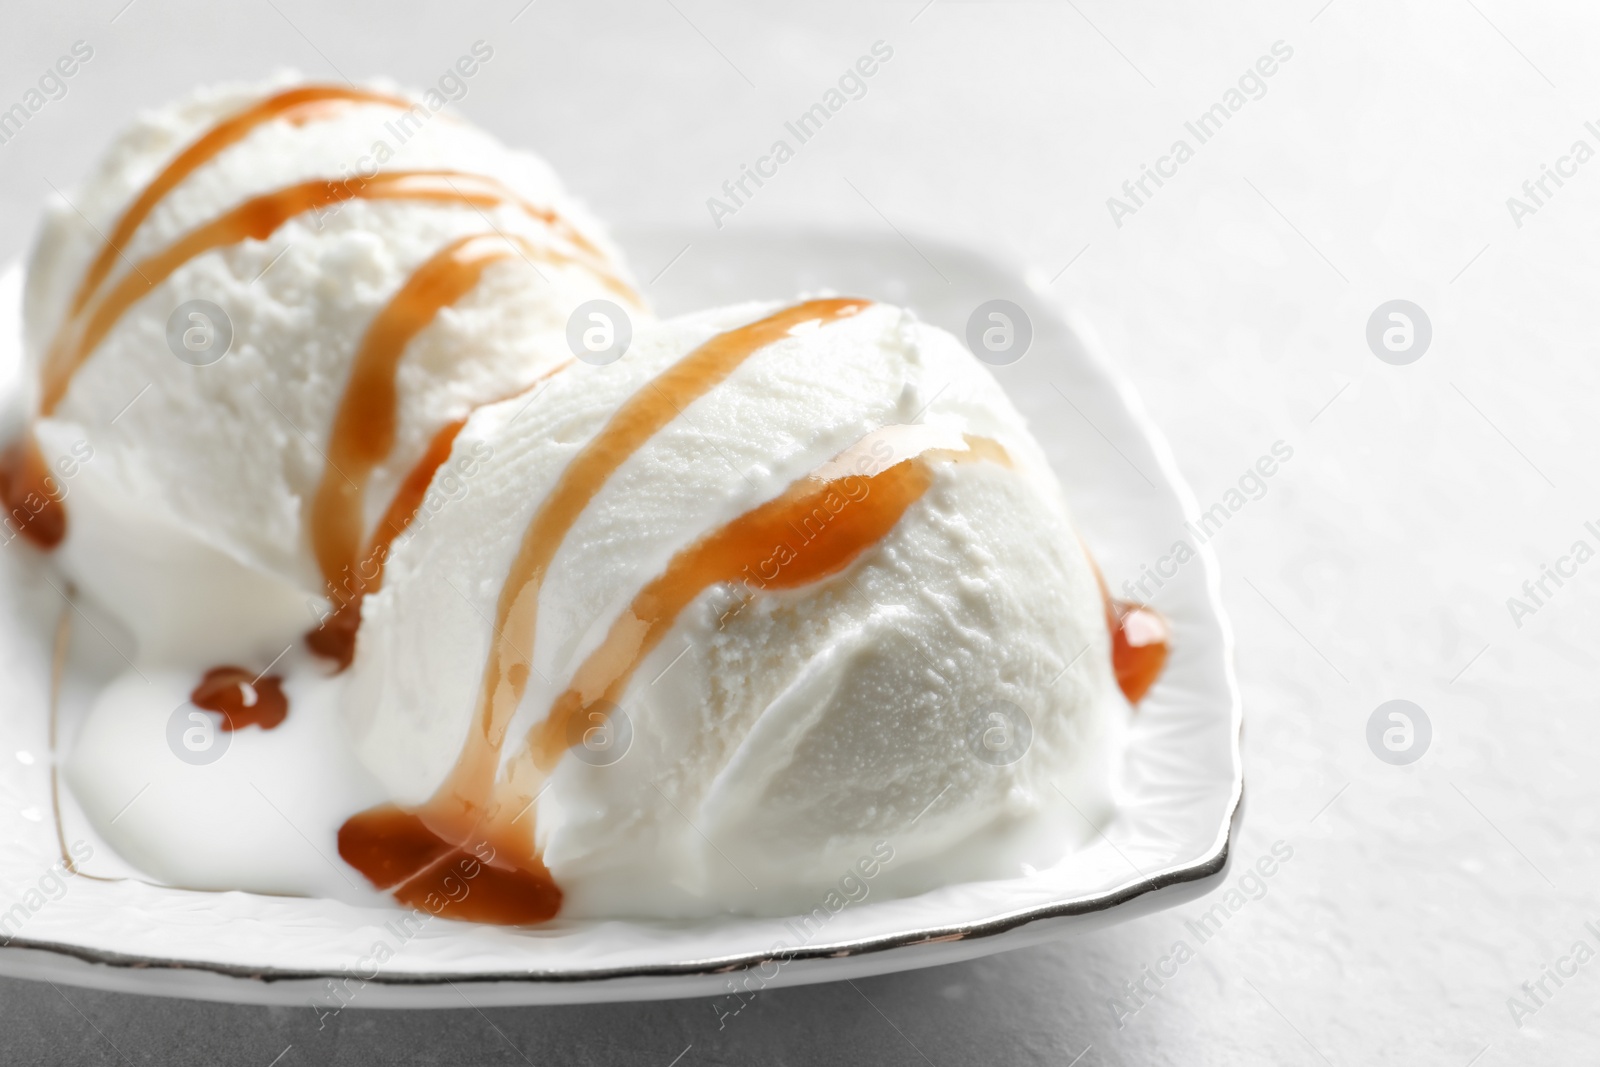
{"points": [[202, 476], [775, 737]]}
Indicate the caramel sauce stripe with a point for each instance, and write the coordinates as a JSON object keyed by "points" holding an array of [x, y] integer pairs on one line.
{"points": [[365, 424], [861, 510], [298, 105], [257, 219]]}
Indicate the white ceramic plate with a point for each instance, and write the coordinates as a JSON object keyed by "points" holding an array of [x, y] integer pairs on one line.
{"points": [[1167, 842]]}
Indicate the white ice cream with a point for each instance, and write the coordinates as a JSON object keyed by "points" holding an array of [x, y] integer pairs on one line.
{"points": [[189, 522], [947, 699], [774, 748]]}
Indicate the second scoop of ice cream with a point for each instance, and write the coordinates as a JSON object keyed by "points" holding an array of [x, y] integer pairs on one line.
{"points": [[783, 588]]}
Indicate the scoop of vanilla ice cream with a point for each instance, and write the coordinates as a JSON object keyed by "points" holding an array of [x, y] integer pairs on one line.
{"points": [[772, 748], [189, 521]]}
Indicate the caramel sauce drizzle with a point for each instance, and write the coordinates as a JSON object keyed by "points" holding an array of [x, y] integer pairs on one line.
{"points": [[364, 427], [91, 314], [335, 638], [257, 219], [1141, 638], [818, 527], [299, 105], [31, 494], [468, 806], [634, 422], [429, 857], [242, 697], [851, 514]]}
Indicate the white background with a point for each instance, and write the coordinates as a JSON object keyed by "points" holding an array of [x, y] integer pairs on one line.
{"points": [[1376, 166]]}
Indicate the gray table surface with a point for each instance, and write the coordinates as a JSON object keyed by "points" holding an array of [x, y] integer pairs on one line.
{"points": [[1375, 164]]}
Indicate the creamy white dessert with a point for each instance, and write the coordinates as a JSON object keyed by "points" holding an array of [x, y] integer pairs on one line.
{"points": [[784, 592], [814, 557]]}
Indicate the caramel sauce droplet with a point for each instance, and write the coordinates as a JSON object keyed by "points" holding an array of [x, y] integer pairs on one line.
{"points": [[243, 698], [298, 105], [389, 845], [335, 636], [397, 850], [31, 494], [1140, 640], [814, 529]]}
